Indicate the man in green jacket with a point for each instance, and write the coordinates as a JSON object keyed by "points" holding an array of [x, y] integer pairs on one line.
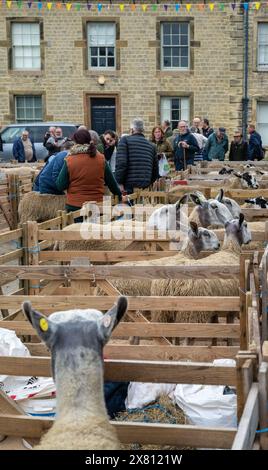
{"points": [[216, 146]]}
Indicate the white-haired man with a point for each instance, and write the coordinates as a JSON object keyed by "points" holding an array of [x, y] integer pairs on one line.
{"points": [[136, 160]]}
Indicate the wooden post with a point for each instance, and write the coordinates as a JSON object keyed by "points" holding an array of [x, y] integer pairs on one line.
{"points": [[13, 194], [33, 254], [243, 311], [25, 260], [244, 380], [264, 297], [263, 400]]}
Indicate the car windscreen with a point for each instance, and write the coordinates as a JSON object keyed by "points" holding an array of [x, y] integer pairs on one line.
{"points": [[37, 133], [10, 134]]}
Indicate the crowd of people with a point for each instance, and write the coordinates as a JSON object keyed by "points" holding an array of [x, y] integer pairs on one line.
{"points": [[84, 164]]}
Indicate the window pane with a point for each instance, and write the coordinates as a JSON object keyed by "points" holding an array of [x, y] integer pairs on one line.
{"points": [[175, 40], [110, 62], [166, 28], [167, 40], [102, 51], [26, 44], [184, 28], [110, 51], [184, 62], [102, 62], [94, 62], [176, 51], [167, 62], [175, 62], [167, 51], [175, 28], [94, 51]]}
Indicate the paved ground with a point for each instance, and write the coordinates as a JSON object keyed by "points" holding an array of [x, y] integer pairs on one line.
{"points": [[12, 443]]}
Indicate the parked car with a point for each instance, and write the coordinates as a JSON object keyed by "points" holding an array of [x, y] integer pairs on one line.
{"points": [[37, 131]]}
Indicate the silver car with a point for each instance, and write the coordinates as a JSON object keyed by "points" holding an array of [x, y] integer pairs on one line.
{"points": [[37, 132]]}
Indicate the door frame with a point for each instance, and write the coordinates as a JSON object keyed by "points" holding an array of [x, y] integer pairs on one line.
{"points": [[87, 108]]}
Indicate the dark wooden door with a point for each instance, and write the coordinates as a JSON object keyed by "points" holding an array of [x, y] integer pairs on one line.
{"points": [[103, 116]]}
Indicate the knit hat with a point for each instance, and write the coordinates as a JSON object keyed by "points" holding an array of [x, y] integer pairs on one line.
{"points": [[82, 136]]}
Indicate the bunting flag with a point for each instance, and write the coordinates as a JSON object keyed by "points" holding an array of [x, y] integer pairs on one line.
{"points": [[124, 7]]}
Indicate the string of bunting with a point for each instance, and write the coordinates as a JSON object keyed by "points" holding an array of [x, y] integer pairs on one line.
{"points": [[132, 7]]}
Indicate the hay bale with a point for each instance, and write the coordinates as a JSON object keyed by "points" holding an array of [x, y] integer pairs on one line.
{"points": [[161, 411]]}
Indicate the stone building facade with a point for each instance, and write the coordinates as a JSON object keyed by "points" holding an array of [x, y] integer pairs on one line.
{"points": [[70, 89]]}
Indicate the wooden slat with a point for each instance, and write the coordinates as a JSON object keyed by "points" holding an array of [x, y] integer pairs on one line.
{"points": [[209, 304], [126, 272], [146, 433], [170, 353], [137, 371], [105, 256], [9, 236], [16, 254], [51, 223], [184, 330], [249, 421]]}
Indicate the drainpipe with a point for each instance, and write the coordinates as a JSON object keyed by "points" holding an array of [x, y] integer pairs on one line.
{"points": [[245, 99]]}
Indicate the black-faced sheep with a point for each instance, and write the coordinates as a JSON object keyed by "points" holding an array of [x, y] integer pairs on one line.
{"points": [[76, 339]]}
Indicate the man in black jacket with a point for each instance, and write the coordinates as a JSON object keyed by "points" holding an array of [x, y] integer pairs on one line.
{"points": [[136, 160]]}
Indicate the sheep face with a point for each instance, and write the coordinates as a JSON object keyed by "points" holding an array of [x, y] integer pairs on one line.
{"points": [[231, 204], [211, 212], [167, 217], [258, 202], [247, 180], [202, 238], [76, 337], [238, 229]]}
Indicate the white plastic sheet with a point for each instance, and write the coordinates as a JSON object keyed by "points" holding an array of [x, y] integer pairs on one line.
{"points": [[141, 394]]}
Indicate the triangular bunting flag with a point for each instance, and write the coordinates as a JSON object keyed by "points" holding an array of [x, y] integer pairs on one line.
{"points": [[133, 7], [166, 7], [246, 6], [121, 6], [154, 7], [68, 6], [29, 4], [39, 5], [221, 6], [188, 7], [89, 6], [49, 5], [177, 7], [9, 3], [233, 5], [211, 6], [258, 5], [78, 7], [58, 5], [201, 6], [99, 6], [144, 7], [19, 4]]}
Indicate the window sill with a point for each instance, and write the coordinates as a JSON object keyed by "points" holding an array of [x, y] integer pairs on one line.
{"points": [[173, 73], [96, 73], [260, 70], [26, 71]]}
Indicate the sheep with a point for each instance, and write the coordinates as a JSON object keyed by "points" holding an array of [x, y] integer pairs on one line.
{"points": [[236, 234], [40, 207], [206, 213], [198, 239], [21, 170], [256, 203], [243, 181], [76, 339], [231, 204]]}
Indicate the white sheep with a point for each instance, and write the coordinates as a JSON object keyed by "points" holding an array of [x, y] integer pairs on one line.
{"points": [[198, 239], [236, 234], [76, 339]]}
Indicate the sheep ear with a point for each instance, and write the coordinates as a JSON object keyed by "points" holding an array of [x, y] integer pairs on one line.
{"points": [[182, 200], [241, 218], [111, 318], [194, 228], [237, 174], [220, 195], [41, 323]]}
